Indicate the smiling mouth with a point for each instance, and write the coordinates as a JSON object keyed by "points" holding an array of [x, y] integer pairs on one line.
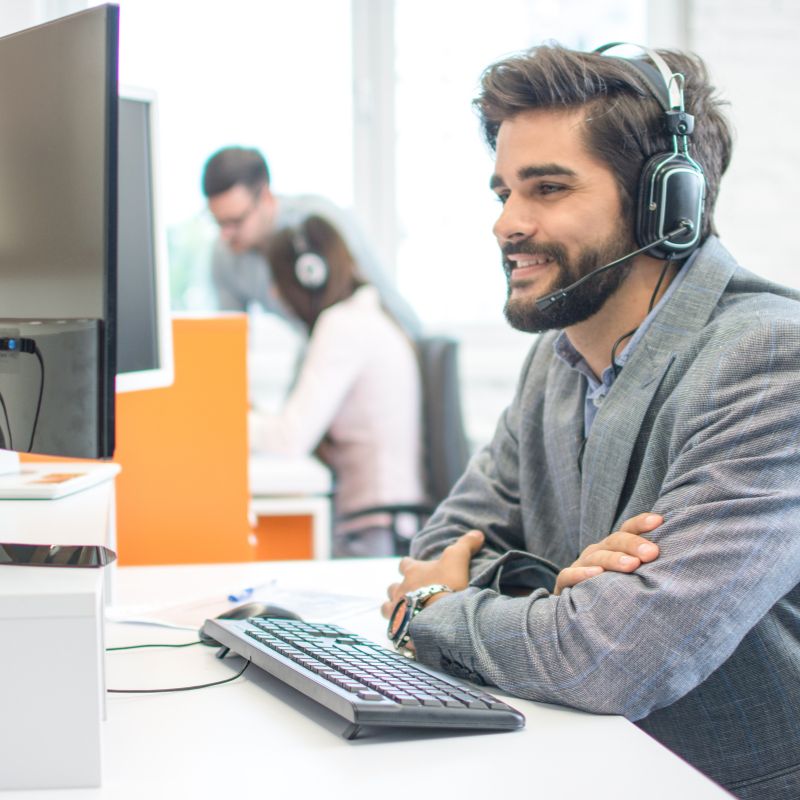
{"points": [[524, 265], [531, 261]]}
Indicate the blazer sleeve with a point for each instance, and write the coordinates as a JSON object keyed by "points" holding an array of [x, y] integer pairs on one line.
{"points": [[730, 550]]}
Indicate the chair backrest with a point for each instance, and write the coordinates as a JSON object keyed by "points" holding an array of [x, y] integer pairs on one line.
{"points": [[446, 448]]}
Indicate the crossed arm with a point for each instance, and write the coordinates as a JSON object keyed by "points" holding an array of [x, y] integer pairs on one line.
{"points": [[621, 551], [613, 642], [630, 637]]}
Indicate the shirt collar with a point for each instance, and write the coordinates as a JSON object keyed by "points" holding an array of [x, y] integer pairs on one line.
{"points": [[565, 351]]}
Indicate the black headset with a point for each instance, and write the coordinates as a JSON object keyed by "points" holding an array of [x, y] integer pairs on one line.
{"points": [[310, 268], [672, 184]]}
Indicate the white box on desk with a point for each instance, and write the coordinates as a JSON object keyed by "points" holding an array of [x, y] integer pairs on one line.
{"points": [[51, 677]]}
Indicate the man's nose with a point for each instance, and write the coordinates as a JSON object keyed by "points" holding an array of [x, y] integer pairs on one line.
{"points": [[516, 221]]}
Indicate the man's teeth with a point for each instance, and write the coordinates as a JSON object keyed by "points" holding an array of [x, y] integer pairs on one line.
{"points": [[532, 262]]}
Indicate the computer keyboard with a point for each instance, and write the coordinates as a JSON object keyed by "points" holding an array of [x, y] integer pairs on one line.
{"points": [[363, 682]]}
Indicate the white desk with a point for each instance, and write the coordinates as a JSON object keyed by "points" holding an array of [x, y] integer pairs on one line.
{"points": [[256, 738], [282, 486]]}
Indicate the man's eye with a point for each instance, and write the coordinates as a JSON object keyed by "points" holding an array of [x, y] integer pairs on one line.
{"points": [[550, 188], [501, 198]]}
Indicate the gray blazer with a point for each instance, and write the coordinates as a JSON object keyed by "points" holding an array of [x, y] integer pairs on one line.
{"points": [[701, 647]]}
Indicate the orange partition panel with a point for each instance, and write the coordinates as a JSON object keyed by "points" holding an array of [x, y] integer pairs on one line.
{"points": [[283, 538], [183, 495]]}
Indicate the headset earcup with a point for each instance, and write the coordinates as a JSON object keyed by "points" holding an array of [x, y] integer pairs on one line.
{"points": [[311, 271], [671, 189]]}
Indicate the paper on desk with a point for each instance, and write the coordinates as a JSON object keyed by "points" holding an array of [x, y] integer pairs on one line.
{"points": [[313, 606], [316, 606], [135, 615]]}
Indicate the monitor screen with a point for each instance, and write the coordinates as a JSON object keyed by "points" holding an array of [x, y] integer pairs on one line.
{"points": [[58, 193], [144, 330]]}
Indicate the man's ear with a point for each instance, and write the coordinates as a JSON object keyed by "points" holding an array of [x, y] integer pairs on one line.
{"points": [[268, 204], [266, 198]]}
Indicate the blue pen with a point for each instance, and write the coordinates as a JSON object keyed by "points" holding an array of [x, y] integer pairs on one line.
{"points": [[243, 595]]}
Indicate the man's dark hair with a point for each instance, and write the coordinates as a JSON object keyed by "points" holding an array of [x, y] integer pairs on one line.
{"points": [[624, 121], [234, 166]]}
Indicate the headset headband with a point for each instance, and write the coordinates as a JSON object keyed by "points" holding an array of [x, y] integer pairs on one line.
{"points": [[671, 184], [668, 90]]}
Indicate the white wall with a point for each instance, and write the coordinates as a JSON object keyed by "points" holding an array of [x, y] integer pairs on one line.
{"points": [[753, 51], [18, 14]]}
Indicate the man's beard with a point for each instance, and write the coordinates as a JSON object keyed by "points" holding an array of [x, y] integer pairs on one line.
{"points": [[582, 302]]}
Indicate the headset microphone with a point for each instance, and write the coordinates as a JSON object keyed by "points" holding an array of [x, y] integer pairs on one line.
{"points": [[684, 226]]}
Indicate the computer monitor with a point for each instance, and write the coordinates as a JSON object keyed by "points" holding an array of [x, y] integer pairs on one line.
{"points": [[144, 328], [58, 247]]}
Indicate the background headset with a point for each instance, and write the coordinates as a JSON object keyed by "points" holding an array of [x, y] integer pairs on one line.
{"points": [[672, 184], [310, 268]]}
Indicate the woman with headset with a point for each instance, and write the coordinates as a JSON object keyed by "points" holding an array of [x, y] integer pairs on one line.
{"points": [[356, 402]]}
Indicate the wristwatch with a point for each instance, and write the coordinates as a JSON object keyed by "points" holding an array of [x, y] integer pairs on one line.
{"points": [[408, 606]]}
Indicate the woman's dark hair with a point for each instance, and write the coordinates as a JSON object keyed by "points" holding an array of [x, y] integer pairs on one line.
{"points": [[318, 236], [624, 121]]}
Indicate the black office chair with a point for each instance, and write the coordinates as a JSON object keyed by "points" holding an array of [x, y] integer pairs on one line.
{"points": [[445, 448]]}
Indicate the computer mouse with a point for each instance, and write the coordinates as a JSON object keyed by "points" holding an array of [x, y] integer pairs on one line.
{"points": [[257, 610], [245, 611]]}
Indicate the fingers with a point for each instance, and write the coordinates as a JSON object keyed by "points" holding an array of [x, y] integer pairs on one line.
{"points": [[456, 558], [571, 576], [642, 523], [392, 593], [466, 545], [612, 555], [451, 569], [624, 550], [629, 544], [474, 540]]}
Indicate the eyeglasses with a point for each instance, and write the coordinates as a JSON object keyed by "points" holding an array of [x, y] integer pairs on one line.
{"points": [[234, 223]]}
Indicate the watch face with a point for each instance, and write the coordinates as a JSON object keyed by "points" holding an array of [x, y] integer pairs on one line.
{"points": [[397, 618]]}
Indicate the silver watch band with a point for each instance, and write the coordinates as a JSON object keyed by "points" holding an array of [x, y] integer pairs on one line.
{"points": [[412, 602]]}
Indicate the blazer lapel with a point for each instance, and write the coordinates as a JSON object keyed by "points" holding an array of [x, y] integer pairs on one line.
{"points": [[615, 430], [609, 446]]}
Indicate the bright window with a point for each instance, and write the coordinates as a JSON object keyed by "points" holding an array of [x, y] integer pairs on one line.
{"points": [[448, 261], [278, 76], [260, 73]]}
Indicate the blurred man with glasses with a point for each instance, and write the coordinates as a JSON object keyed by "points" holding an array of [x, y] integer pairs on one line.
{"points": [[236, 183]]}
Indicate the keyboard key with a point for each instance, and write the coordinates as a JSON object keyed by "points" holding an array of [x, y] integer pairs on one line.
{"points": [[365, 694]]}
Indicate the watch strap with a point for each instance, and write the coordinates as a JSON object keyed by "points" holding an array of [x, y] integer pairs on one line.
{"points": [[414, 603]]}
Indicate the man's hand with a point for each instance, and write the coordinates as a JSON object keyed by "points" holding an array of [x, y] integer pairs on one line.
{"points": [[624, 550], [451, 569]]}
